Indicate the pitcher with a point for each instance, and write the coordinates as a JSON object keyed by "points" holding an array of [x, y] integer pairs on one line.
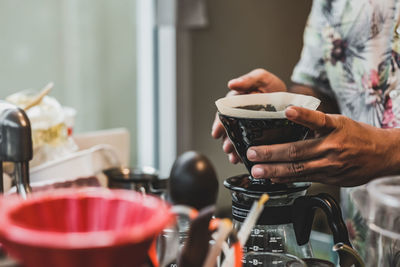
{"points": [[379, 203]]}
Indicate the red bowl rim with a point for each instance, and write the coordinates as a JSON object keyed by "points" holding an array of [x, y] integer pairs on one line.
{"points": [[11, 233]]}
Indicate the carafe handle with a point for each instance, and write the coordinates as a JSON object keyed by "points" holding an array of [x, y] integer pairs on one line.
{"points": [[303, 216]]}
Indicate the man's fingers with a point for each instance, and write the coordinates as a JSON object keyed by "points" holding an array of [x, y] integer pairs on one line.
{"points": [[315, 120], [301, 150], [217, 130], [248, 81], [293, 170], [317, 178], [312, 178], [233, 158], [227, 146]]}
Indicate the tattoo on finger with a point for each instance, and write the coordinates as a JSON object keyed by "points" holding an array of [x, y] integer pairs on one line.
{"points": [[297, 169]]}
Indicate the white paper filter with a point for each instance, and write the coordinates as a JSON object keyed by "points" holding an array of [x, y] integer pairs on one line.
{"points": [[280, 100]]}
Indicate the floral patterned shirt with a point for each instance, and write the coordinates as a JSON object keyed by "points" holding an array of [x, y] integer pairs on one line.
{"points": [[352, 51]]}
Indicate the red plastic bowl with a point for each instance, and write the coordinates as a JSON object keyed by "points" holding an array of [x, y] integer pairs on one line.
{"points": [[91, 227]]}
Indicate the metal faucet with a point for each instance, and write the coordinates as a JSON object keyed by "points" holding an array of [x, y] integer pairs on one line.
{"points": [[15, 145]]}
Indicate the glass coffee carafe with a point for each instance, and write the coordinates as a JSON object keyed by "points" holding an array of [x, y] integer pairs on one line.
{"points": [[268, 259], [285, 223]]}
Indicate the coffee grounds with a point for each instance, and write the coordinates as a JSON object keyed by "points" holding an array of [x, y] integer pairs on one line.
{"points": [[267, 107]]}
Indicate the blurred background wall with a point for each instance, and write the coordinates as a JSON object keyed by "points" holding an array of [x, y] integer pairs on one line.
{"points": [[241, 35], [86, 47]]}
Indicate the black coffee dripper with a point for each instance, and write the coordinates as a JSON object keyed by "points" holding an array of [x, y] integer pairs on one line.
{"points": [[288, 204], [247, 132], [248, 124]]}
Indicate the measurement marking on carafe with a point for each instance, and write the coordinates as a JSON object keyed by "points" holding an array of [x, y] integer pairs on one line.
{"points": [[257, 233], [255, 262], [257, 248], [275, 239]]}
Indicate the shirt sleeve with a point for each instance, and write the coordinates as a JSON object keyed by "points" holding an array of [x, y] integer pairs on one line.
{"points": [[310, 70]]}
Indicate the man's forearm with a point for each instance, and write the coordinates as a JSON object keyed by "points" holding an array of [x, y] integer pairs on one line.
{"points": [[328, 103]]}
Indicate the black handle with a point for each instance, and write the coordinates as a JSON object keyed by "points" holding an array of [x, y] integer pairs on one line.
{"points": [[303, 216]]}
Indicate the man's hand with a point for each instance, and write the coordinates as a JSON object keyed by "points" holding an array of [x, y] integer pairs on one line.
{"points": [[344, 152], [256, 81]]}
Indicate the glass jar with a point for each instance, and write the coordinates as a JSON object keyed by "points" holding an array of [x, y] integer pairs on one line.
{"points": [[383, 237], [268, 259]]}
